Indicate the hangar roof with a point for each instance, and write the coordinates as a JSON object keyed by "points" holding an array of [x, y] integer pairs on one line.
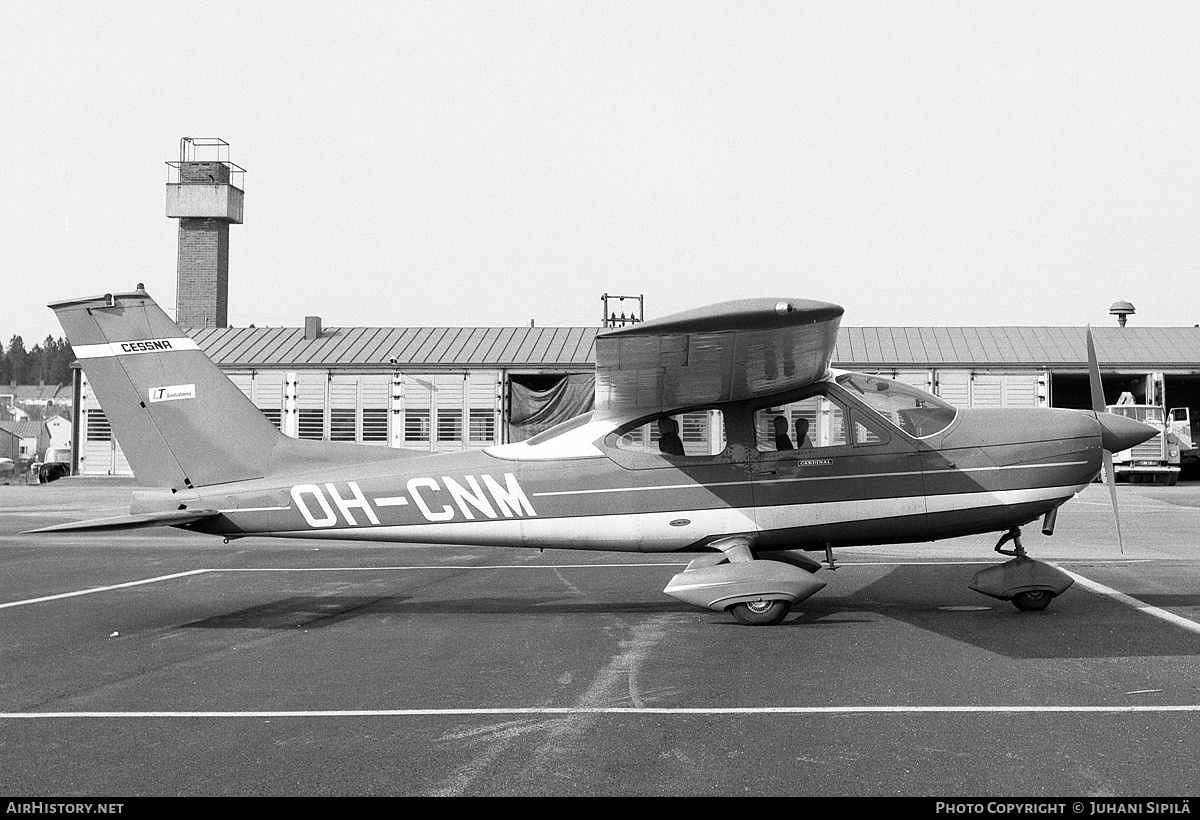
{"points": [[411, 346], [1058, 347], [857, 347], [23, 429]]}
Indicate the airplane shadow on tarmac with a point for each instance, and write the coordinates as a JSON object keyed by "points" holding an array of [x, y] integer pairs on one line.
{"points": [[1080, 624], [934, 598], [316, 612]]}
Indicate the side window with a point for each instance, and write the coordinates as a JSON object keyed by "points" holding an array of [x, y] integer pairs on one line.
{"points": [[698, 433], [809, 423], [864, 434]]}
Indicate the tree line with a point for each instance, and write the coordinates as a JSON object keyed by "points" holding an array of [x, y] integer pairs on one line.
{"points": [[48, 362]]}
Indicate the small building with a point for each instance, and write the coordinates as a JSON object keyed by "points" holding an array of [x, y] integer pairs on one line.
{"points": [[58, 432], [10, 442], [25, 440]]}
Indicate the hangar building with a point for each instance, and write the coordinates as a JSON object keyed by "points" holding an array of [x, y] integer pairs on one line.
{"points": [[437, 389]]}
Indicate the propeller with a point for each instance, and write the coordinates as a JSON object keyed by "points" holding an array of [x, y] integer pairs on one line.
{"points": [[1100, 408], [1117, 433]]}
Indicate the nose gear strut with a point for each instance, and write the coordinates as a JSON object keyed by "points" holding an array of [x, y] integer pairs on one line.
{"points": [[1013, 535]]}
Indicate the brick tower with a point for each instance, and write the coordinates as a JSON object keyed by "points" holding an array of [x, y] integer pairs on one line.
{"points": [[202, 195]]}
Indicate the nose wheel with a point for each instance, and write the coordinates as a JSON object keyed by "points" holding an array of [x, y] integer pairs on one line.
{"points": [[760, 613], [1034, 600], [1030, 585]]}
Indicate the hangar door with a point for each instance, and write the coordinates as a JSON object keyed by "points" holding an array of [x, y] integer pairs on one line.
{"points": [[538, 401], [435, 412], [442, 412], [99, 452], [966, 389], [265, 389]]}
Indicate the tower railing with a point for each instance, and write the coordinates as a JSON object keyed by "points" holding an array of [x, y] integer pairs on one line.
{"points": [[204, 161]]}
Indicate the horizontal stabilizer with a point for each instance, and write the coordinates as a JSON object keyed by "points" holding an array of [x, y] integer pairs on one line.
{"points": [[172, 518]]}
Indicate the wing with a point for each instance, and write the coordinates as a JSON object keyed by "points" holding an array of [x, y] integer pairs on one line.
{"points": [[725, 352]]}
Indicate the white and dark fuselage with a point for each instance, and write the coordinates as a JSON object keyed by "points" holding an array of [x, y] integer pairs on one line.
{"points": [[987, 470]]}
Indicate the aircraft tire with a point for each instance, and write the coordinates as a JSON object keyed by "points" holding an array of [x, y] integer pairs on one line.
{"points": [[760, 613], [1034, 600]]}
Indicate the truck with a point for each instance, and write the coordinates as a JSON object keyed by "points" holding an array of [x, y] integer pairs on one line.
{"points": [[55, 465], [1156, 460]]}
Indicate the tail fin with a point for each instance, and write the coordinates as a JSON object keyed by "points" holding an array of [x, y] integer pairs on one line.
{"points": [[180, 421]]}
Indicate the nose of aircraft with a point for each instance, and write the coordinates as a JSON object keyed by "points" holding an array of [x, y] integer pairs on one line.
{"points": [[1121, 432]]}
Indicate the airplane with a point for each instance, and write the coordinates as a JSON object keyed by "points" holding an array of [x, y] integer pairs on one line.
{"points": [[690, 449]]}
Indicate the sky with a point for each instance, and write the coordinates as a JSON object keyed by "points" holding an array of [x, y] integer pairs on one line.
{"points": [[496, 163]]}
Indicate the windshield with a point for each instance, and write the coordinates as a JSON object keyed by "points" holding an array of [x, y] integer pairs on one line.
{"points": [[914, 411]]}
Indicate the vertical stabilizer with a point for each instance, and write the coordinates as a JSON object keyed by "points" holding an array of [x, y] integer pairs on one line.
{"points": [[180, 422]]}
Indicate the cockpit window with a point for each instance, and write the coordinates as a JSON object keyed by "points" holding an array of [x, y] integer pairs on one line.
{"points": [[804, 424], [914, 411]]}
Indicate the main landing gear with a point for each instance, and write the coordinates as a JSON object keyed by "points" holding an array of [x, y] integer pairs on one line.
{"points": [[760, 613], [1030, 585], [757, 592]]}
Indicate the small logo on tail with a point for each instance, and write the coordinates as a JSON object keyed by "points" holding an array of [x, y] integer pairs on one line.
{"points": [[173, 393]]}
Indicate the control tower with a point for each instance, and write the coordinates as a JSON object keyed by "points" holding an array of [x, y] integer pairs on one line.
{"points": [[203, 194]]}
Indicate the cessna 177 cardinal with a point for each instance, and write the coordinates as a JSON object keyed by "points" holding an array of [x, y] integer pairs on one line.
{"points": [[721, 431]]}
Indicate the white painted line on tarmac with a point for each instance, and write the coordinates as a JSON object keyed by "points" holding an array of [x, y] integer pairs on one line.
{"points": [[612, 710], [103, 589], [447, 566], [1169, 617], [949, 562], [93, 590], [1162, 505]]}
